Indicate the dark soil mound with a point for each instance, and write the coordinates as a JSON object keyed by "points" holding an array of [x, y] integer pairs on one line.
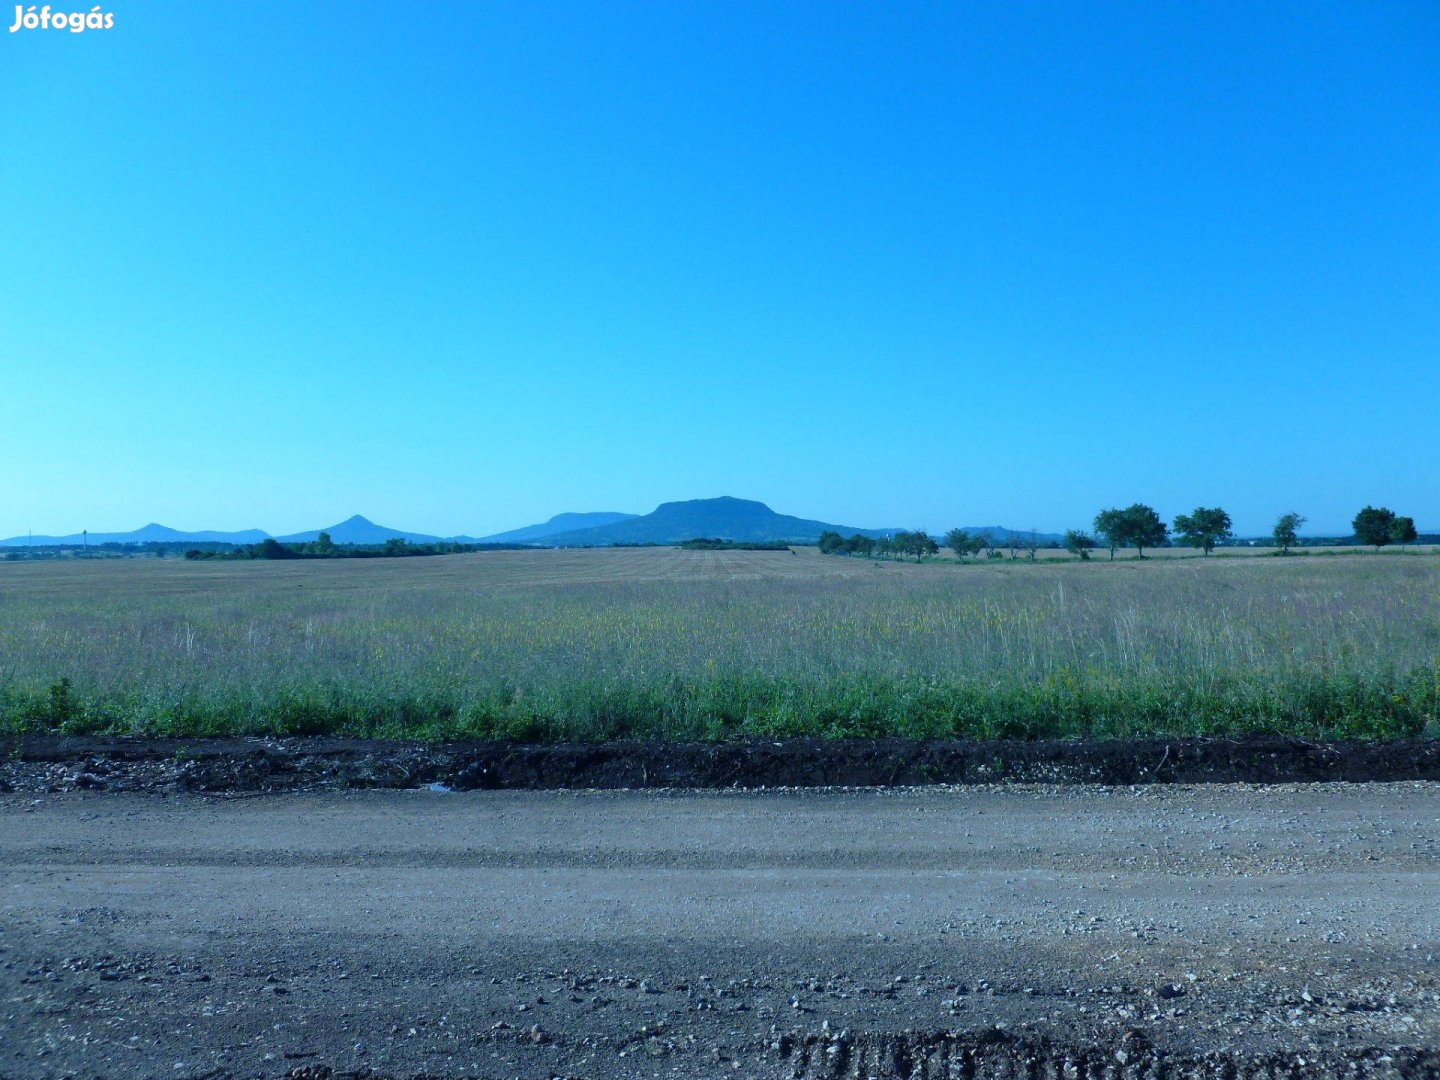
{"points": [[60, 763]]}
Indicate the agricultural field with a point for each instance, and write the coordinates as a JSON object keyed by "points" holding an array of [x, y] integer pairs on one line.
{"points": [[662, 643]]}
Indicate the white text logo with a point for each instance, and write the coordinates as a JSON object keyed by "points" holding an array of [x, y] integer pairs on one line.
{"points": [[75, 21]]}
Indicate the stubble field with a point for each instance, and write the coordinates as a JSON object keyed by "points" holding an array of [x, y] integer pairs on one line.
{"points": [[662, 643]]}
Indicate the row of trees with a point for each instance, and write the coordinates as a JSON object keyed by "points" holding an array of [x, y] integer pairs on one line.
{"points": [[918, 543], [1374, 525], [325, 548], [1139, 526]]}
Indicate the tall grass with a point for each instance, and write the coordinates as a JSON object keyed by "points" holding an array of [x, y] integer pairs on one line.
{"points": [[666, 644]]}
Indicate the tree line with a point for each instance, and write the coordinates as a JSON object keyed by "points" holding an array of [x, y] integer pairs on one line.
{"points": [[920, 543], [1137, 526], [325, 548]]}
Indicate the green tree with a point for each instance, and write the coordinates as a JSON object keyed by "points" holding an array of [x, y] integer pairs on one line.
{"points": [[1204, 528], [860, 544], [960, 542], [1143, 528], [1372, 525], [1402, 531], [1287, 531], [917, 543], [270, 548], [1079, 542], [830, 543], [1111, 525]]}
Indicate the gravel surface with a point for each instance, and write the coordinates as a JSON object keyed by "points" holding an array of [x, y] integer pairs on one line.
{"points": [[1170, 930]]}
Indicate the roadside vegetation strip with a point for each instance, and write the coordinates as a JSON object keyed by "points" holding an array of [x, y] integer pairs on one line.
{"points": [[38, 763], [696, 646]]}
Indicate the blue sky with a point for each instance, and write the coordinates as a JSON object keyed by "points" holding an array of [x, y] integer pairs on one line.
{"points": [[459, 267]]}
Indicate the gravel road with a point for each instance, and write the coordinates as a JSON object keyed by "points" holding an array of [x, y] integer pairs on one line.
{"points": [[1158, 931]]}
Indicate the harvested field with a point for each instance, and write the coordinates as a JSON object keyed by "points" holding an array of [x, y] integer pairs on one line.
{"points": [[696, 646]]}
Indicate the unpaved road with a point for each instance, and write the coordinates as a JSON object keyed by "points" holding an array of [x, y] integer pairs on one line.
{"points": [[1180, 930]]}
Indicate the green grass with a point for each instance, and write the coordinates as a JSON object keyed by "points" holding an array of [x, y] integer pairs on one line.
{"points": [[657, 643]]}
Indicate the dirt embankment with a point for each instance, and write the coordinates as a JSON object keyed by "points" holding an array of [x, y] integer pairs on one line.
{"points": [[59, 763]]}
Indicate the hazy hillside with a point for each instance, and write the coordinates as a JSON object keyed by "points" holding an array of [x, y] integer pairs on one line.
{"points": [[726, 518], [560, 523], [1000, 534], [147, 534], [358, 530]]}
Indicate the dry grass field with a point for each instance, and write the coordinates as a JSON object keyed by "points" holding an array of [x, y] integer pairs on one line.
{"points": [[657, 642]]}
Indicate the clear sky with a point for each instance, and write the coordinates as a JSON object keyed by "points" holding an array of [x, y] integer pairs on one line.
{"points": [[461, 266]]}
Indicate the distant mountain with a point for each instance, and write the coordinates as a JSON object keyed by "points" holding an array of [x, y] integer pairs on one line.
{"points": [[726, 518], [560, 523], [147, 534], [358, 530]]}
